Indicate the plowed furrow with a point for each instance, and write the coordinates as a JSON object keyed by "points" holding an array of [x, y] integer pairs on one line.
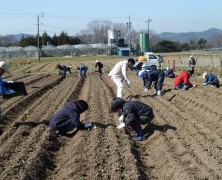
{"points": [[193, 145], [31, 87], [30, 143]]}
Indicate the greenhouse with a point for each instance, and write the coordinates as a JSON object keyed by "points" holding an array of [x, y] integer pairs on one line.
{"points": [[30, 51], [3, 53], [49, 51], [66, 50], [14, 52], [101, 48], [54, 51], [85, 49]]}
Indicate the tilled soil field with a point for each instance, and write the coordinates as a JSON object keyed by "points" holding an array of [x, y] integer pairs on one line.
{"points": [[184, 141]]}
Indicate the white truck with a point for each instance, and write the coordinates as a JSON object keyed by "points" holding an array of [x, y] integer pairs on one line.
{"points": [[149, 59]]}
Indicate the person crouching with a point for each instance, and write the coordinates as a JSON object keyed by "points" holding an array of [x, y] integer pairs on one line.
{"points": [[133, 113], [67, 118]]}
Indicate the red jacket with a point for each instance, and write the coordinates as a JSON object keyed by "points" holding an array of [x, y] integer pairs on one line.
{"points": [[183, 78]]}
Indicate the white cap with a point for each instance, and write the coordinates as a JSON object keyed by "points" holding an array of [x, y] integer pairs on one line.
{"points": [[97, 61], [204, 74], [70, 67], [4, 66]]}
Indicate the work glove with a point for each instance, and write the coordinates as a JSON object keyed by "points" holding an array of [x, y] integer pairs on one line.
{"points": [[146, 90], [122, 125], [121, 119], [194, 85], [9, 81], [87, 125], [10, 91], [204, 84], [129, 84]]}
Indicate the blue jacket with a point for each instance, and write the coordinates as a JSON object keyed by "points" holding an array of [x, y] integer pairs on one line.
{"points": [[83, 69], [211, 78], [3, 90], [134, 109], [66, 118]]}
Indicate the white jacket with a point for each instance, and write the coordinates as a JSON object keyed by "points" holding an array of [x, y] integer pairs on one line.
{"points": [[120, 70]]}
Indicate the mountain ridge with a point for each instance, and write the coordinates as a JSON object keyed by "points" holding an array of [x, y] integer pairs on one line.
{"points": [[187, 36]]}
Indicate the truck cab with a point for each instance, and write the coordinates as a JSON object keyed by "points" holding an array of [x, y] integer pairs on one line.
{"points": [[149, 59]]}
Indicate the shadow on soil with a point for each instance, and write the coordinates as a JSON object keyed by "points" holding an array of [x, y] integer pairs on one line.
{"points": [[151, 128], [137, 96], [31, 124]]}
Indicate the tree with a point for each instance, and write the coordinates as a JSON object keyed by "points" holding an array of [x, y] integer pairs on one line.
{"points": [[54, 40], [28, 41], [85, 36], [99, 28], [46, 39], [166, 46], [74, 40], [63, 39], [202, 43]]}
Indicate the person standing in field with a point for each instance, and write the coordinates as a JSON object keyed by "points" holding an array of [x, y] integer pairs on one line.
{"points": [[160, 61], [192, 63], [82, 70], [119, 73], [174, 66], [100, 66]]}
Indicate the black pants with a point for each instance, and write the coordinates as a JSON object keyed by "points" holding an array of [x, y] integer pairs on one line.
{"points": [[136, 125], [158, 85], [100, 71]]}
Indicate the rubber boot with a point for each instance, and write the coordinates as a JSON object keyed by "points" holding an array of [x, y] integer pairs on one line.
{"points": [[158, 93], [155, 92]]}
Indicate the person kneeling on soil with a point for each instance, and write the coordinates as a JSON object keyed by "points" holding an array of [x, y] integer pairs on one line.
{"points": [[182, 81], [211, 79], [67, 118], [133, 113], [169, 73]]}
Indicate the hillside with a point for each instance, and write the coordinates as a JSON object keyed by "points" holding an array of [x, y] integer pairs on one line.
{"points": [[186, 37]]}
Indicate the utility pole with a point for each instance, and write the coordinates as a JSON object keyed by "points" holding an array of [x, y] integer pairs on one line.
{"points": [[148, 21], [129, 24], [38, 38]]}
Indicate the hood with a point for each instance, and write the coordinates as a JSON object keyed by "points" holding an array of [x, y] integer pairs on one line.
{"points": [[71, 105]]}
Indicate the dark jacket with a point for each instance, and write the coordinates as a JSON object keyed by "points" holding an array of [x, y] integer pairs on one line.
{"points": [[169, 73], [153, 75], [99, 65], [132, 110], [192, 62], [66, 118]]}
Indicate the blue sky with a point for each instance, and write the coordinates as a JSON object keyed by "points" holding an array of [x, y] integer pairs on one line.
{"points": [[71, 16]]}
